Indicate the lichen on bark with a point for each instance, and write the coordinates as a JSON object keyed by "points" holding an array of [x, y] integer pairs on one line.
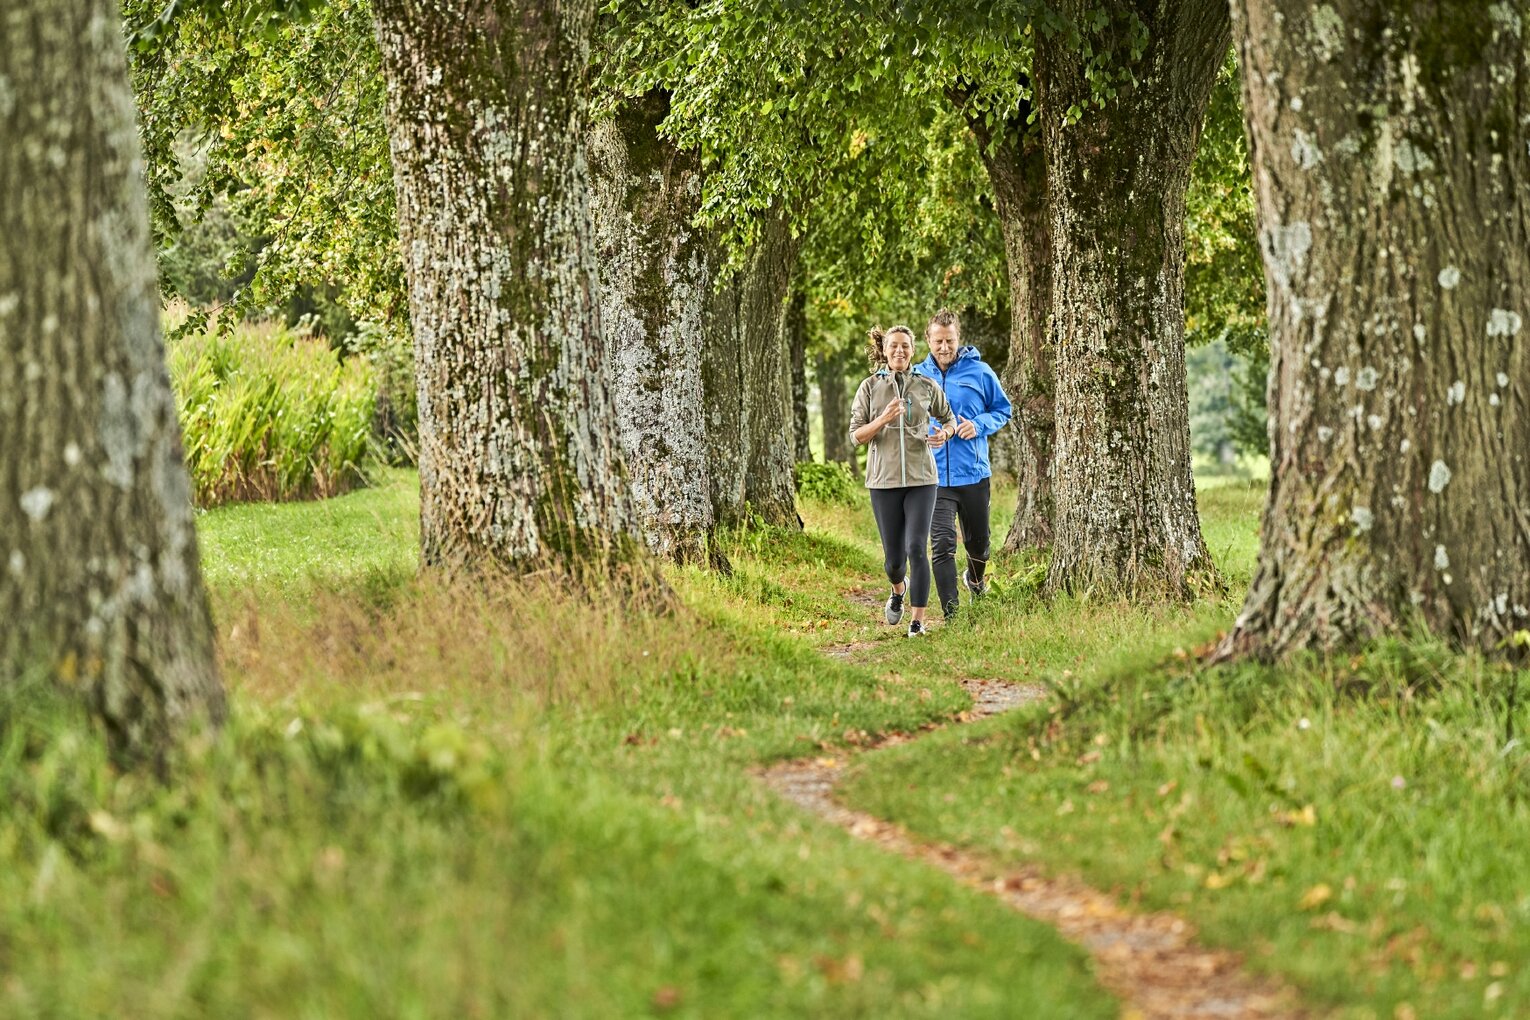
{"points": [[657, 272], [520, 466], [1395, 228], [1014, 155], [1125, 519], [101, 588]]}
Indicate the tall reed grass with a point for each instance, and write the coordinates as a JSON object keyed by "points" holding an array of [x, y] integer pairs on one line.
{"points": [[270, 415]]}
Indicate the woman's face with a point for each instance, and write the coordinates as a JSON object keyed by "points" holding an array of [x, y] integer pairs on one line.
{"points": [[899, 349]]}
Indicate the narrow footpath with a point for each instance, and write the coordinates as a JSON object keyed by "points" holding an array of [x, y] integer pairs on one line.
{"points": [[1151, 962]]}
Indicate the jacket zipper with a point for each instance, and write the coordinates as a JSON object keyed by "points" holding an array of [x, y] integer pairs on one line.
{"points": [[946, 447], [902, 460]]}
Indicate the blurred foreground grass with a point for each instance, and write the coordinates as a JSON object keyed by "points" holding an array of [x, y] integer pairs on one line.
{"points": [[512, 802]]}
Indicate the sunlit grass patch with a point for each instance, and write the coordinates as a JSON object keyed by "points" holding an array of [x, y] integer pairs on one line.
{"points": [[269, 415]]}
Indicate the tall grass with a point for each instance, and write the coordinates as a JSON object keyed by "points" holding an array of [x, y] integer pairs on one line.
{"points": [[269, 415], [491, 801]]}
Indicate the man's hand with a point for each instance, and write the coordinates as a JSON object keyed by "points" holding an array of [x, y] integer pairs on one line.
{"points": [[965, 429]]}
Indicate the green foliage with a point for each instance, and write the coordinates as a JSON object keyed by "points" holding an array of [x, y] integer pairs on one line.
{"points": [[268, 415], [1224, 285], [396, 417], [837, 117], [271, 114], [1224, 274], [828, 483]]}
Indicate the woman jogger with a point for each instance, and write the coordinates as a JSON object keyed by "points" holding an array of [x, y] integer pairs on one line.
{"points": [[892, 412]]}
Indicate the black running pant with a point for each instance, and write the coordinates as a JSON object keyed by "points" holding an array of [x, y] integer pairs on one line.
{"points": [[968, 504], [903, 518]]}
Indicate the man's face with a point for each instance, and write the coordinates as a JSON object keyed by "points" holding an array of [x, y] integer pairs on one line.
{"points": [[944, 343]]}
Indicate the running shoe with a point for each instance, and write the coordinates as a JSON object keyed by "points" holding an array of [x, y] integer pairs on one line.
{"points": [[916, 629], [894, 611], [977, 588]]}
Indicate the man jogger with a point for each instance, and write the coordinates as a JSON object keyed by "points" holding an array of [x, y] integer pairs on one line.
{"points": [[981, 409]]}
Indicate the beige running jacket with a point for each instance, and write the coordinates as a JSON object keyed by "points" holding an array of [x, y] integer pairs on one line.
{"points": [[898, 456]]}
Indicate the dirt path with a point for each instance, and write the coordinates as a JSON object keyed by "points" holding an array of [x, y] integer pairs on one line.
{"points": [[1151, 962]]}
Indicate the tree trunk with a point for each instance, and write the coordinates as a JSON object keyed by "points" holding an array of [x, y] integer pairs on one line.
{"points": [[834, 405], [1125, 521], [1017, 171], [748, 388], [796, 343], [656, 279], [519, 462], [1389, 157], [103, 587]]}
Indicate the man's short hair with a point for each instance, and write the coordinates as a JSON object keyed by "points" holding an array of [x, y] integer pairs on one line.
{"points": [[945, 317]]}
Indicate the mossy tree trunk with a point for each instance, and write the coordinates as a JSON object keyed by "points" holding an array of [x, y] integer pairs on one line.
{"points": [[748, 387], [796, 345], [834, 408], [1390, 167], [520, 466], [656, 278], [102, 586], [1125, 521], [1014, 155]]}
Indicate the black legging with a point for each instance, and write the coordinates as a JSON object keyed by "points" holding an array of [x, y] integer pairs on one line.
{"points": [[903, 518], [968, 504]]}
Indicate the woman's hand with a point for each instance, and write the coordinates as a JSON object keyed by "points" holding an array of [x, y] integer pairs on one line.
{"points": [[893, 411], [938, 440]]}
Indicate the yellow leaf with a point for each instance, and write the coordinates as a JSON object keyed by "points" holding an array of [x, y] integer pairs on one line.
{"points": [[1307, 817], [1316, 896]]}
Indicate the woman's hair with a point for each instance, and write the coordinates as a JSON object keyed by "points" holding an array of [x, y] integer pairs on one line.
{"points": [[945, 317], [874, 339]]}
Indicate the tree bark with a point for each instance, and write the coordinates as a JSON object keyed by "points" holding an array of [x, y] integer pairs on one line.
{"points": [[487, 110], [796, 344], [1389, 156], [834, 406], [1125, 522], [1015, 158], [748, 388], [656, 281], [102, 586]]}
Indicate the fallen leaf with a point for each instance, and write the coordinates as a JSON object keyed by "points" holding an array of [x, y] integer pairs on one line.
{"points": [[1315, 897], [849, 970]]}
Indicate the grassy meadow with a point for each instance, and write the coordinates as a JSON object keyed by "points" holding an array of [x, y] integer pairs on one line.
{"points": [[513, 802], [508, 803]]}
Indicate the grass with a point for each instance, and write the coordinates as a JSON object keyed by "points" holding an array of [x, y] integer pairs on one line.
{"points": [[268, 415], [369, 539], [432, 803], [1351, 825], [438, 803]]}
